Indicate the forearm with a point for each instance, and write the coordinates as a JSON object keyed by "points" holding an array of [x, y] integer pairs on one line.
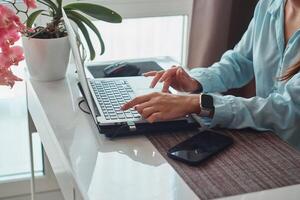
{"points": [[276, 113], [233, 71]]}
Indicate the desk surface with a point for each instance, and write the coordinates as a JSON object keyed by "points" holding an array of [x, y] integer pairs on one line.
{"points": [[90, 166]]}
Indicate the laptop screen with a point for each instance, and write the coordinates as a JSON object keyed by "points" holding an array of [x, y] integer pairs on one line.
{"points": [[74, 43]]}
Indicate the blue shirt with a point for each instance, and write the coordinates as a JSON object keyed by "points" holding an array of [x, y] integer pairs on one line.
{"points": [[263, 54]]}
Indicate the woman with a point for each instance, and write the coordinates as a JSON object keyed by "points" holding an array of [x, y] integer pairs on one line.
{"points": [[268, 52]]}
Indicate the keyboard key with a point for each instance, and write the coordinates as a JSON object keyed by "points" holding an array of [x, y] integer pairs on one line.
{"points": [[121, 116], [128, 115], [136, 115], [113, 116]]}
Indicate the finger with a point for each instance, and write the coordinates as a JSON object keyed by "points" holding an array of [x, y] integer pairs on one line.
{"points": [[179, 76], [154, 117], [184, 72], [168, 74], [179, 73], [186, 80], [156, 78], [142, 106], [148, 112], [136, 101], [151, 73], [166, 85]]}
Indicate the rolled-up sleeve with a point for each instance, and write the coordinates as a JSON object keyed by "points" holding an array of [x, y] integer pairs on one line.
{"points": [[279, 112]]}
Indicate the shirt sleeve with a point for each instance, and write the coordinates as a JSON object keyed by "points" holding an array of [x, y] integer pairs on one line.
{"points": [[234, 70], [279, 112]]}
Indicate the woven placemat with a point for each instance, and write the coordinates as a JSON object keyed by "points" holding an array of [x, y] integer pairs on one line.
{"points": [[256, 161]]}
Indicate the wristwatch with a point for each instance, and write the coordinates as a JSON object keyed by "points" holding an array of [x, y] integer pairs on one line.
{"points": [[207, 106]]}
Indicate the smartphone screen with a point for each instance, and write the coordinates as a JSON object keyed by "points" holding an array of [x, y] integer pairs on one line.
{"points": [[200, 147]]}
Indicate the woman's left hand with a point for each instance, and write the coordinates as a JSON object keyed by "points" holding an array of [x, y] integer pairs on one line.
{"points": [[160, 106]]}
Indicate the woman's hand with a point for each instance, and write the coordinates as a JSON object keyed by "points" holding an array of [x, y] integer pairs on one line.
{"points": [[160, 106], [175, 77]]}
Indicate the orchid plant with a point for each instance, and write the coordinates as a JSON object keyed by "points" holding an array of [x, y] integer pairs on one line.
{"points": [[11, 28]]}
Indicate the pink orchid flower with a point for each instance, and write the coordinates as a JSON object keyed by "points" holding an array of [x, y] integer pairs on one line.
{"points": [[15, 54], [11, 56], [30, 3], [8, 38], [10, 29], [8, 78], [8, 19]]}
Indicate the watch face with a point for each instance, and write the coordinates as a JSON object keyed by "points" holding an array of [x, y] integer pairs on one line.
{"points": [[207, 101]]}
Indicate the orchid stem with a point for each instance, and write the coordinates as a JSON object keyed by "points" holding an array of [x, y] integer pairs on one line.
{"points": [[13, 3]]}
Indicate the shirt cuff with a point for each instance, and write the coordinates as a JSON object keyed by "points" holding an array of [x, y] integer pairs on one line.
{"points": [[224, 110], [205, 122], [204, 78]]}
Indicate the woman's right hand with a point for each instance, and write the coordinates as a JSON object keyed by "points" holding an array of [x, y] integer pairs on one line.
{"points": [[175, 77]]}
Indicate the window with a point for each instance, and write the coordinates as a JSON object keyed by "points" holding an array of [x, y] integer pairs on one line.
{"points": [[142, 38], [149, 29]]}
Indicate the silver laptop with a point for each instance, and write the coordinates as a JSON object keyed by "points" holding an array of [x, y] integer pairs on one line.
{"points": [[105, 96]]}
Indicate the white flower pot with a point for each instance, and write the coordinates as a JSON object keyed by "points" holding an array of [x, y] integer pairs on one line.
{"points": [[46, 59]]}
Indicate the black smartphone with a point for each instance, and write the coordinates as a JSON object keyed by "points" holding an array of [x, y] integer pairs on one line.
{"points": [[200, 147]]}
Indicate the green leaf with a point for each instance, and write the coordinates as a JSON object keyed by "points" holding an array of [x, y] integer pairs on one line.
{"points": [[52, 5], [59, 3], [85, 32], [85, 20], [96, 11], [31, 18]]}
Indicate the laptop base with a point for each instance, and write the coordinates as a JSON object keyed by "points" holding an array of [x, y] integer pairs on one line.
{"points": [[125, 129], [148, 128]]}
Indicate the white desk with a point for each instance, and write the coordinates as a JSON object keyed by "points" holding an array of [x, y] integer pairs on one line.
{"points": [[89, 166]]}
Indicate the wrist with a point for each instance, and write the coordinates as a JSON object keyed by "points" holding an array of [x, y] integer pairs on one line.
{"points": [[194, 104], [196, 87]]}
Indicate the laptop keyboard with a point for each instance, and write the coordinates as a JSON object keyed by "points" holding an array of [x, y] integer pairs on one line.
{"points": [[111, 95]]}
